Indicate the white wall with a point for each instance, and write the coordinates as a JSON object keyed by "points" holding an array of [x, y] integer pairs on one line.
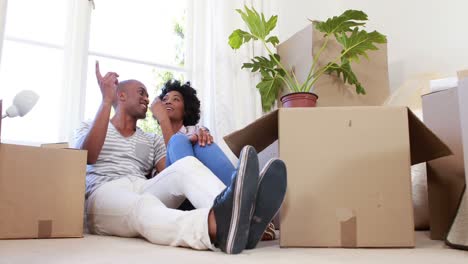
{"points": [[424, 36]]}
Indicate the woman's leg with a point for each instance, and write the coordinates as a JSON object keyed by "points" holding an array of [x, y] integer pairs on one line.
{"points": [[214, 158], [179, 146], [211, 156]]}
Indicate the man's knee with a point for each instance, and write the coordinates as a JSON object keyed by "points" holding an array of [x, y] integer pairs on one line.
{"points": [[189, 161]]}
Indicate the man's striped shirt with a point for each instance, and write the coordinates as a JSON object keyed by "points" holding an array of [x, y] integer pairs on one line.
{"points": [[133, 156]]}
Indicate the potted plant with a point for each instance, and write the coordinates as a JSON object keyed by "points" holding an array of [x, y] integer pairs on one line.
{"points": [[346, 29]]}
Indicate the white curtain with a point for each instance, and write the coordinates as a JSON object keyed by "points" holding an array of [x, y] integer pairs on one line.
{"points": [[3, 7], [229, 98], [75, 66]]}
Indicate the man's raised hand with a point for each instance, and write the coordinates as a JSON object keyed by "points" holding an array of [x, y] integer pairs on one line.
{"points": [[107, 83]]}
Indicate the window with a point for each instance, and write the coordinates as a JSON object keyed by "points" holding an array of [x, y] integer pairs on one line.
{"points": [[141, 40], [32, 59], [46, 50]]}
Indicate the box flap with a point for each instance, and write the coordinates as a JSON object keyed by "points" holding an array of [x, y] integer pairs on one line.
{"points": [[259, 134], [425, 145], [58, 145]]}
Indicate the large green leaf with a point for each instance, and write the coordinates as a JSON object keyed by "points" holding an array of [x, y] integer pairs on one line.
{"points": [[271, 78], [269, 88], [239, 37], [342, 23], [359, 42], [344, 71], [260, 63], [257, 24], [273, 40]]}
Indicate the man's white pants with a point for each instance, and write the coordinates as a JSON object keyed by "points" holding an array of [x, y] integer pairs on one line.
{"points": [[132, 206]]}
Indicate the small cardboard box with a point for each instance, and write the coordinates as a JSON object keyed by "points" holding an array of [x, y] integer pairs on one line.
{"points": [[296, 54], [446, 113], [349, 182], [41, 191]]}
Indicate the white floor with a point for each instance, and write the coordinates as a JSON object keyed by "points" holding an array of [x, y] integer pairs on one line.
{"points": [[100, 249]]}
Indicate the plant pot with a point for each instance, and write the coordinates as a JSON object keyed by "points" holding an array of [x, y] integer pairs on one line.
{"points": [[302, 99]]}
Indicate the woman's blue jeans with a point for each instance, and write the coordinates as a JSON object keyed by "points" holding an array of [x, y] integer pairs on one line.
{"points": [[211, 156]]}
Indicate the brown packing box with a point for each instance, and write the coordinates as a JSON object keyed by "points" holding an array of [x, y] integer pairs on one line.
{"points": [[446, 113], [296, 53], [348, 172], [41, 191]]}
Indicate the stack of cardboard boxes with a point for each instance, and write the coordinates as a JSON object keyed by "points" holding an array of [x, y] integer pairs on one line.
{"points": [[349, 182], [41, 191]]}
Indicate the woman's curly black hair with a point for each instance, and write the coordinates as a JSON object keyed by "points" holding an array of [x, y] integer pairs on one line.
{"points": [[191, 102]]}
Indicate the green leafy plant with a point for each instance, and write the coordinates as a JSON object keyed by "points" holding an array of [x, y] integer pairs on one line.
{"points": [[346, 29]]}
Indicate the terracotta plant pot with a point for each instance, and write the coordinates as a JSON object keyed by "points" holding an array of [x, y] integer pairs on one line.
{"points": [[299, 100]]}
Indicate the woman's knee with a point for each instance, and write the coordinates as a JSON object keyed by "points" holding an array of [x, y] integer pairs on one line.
{"points": [[179, 139], [206, 148]]}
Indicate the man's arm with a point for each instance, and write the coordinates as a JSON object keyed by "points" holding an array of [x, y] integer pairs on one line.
{"points": [[160, 165], [94, 140], [159, 154]]}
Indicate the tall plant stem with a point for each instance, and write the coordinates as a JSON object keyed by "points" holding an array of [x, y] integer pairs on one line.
{"points": [[314, 64], [325, 68], [290, 81]]}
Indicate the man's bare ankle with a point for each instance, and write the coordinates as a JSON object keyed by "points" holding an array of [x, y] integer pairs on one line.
{"points": [[212, 226]]}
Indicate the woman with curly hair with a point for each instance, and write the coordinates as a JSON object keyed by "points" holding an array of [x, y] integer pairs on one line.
{"points": [[183, 110]]}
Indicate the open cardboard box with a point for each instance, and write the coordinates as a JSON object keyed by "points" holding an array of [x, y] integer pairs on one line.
{"points": [[349, 182], [41, 191], [446, 113]]}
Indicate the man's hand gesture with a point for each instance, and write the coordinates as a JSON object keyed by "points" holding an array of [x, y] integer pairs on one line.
{"points": [[108, 84]]}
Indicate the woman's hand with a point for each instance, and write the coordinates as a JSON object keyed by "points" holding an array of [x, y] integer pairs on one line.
{"points": [[204, 137], [158, 109], [193, 138]]}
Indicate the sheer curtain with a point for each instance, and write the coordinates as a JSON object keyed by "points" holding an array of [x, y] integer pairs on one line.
{"points": [[228, 94], [3, 7], [75, 65]]}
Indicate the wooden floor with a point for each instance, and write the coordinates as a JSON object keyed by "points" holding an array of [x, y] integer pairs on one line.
{"points": [[100, 249]]}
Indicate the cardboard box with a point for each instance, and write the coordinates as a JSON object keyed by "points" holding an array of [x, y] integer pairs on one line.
{"points": [[296, 53], [349, 182], [444, 112], [41, 191]]}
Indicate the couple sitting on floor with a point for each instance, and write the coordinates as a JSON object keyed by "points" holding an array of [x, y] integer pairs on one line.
{"points": [[123, 200]]}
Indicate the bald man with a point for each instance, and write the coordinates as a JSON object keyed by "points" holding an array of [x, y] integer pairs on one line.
{"points": [[121, 201]]}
